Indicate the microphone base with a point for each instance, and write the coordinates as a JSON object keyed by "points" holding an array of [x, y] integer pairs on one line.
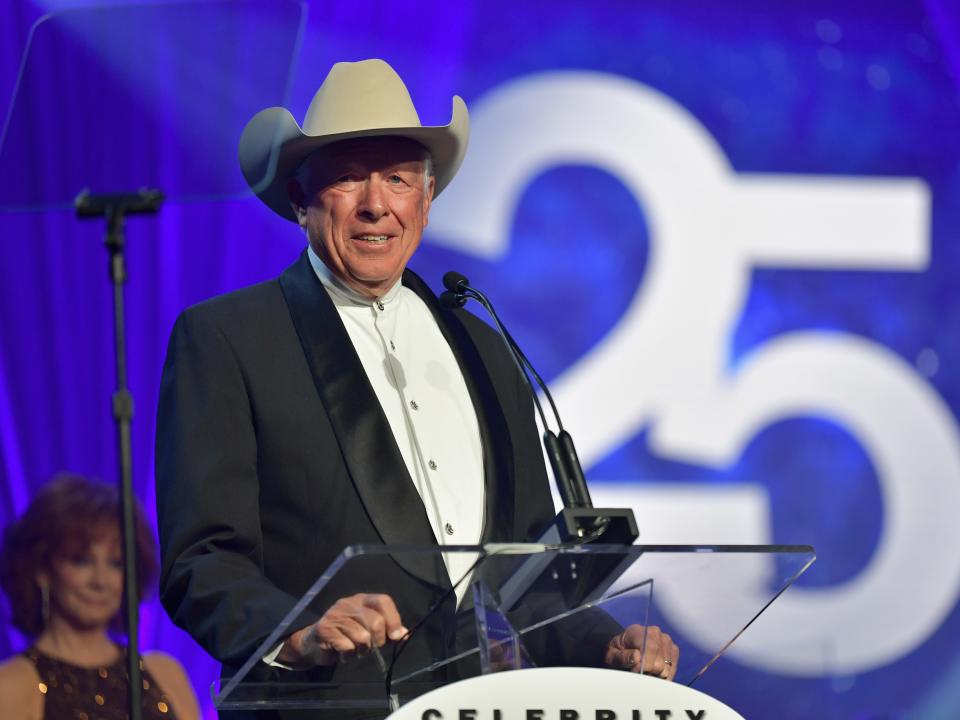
{"points": [[607, 526], [585, 577]]}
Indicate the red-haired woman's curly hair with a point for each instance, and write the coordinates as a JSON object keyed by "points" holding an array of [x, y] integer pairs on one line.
{"points": [[68, 515]]}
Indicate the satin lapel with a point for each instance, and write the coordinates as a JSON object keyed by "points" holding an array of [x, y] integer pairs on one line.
{"points": [[366, 441], [494, 433]]}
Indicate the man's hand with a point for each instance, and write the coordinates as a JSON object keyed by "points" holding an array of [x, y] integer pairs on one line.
{"points": [[626, 652], [352, 626]]}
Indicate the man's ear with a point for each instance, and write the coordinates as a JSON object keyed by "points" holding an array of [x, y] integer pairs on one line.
{"points": [[428, 198], [297, 200]]}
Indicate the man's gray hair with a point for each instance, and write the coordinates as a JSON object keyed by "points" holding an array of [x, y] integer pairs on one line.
{"points": [[303, 178], [427, 167]]}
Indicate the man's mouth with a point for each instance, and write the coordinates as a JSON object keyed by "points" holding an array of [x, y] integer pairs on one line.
{"points": [[373, 239]]}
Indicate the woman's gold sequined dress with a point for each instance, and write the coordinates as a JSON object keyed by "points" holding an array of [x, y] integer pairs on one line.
{"points": [[77, 693]]}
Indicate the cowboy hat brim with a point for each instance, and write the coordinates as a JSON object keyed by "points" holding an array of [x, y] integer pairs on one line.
{"points": [[273, 146]]}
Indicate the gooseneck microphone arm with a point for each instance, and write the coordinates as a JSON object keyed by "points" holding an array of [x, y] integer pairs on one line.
{"points": [[559, 446], [457, 299]]}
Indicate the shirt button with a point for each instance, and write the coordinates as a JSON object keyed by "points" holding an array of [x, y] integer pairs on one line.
{"points": [[449, 528], [432, 464], [413, 404], [379, 306]]}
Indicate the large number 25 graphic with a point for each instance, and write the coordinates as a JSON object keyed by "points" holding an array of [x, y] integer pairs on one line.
{"points": [[667, 356]]}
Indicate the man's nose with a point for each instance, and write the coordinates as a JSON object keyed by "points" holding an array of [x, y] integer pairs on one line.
{"points": [[372, 206]]}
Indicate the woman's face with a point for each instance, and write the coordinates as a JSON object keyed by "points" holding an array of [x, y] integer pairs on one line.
{"points": [[86, 587]]}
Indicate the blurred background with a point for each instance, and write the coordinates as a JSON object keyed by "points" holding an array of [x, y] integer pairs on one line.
{"points": [[726, 233]]}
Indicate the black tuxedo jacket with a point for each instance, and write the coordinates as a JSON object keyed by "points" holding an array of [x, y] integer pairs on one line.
{"points": [[273, 453]]}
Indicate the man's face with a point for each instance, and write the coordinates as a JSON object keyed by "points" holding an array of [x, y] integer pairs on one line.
{"points": [[364, 204]]}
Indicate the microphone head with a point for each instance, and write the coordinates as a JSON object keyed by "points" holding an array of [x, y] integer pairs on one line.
{"points": [[452, 300], [455, 282]]}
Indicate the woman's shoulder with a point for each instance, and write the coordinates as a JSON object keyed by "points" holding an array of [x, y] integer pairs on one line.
{"points": [[18, 670], [20, 691], [161, 665], [172, 678]]}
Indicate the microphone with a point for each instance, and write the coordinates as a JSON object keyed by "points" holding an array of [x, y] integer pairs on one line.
{"points": [[144, 201], [456, 282], [451, 300], [454, 296], [559, 446]]}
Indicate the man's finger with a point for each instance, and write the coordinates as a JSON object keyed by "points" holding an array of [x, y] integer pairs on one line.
{"points": [[336, 642], [675, 658], [343, 634], [650, 664], [636, 636], [625, 660], [375, 624], [384, 605], [662, 656]]}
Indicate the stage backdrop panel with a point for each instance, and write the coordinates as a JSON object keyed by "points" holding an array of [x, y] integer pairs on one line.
{"points": [[725, 233]]}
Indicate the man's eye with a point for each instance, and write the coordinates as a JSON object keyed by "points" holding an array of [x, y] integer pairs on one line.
{"points": [[347, 178], [395, 179]]}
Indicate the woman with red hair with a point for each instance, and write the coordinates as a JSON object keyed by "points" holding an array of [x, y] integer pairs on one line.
{"points": [[62, 571]]}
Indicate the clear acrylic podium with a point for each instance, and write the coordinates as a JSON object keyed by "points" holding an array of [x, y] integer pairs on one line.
{"points": [[521, 605]]}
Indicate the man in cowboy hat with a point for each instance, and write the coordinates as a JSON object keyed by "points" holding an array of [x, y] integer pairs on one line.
{"points": [[341, 405]]}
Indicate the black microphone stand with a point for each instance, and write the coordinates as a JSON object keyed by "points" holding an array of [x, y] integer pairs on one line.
{"points": [[115, 208]]}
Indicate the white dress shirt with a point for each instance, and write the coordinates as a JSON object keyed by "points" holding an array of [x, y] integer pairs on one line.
{"points": [[423, 394]]}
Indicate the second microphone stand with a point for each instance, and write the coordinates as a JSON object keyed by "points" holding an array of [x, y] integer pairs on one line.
{"points": [[115, 208]]}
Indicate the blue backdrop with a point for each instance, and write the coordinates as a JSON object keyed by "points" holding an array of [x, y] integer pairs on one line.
{"points": [[726, 234]]}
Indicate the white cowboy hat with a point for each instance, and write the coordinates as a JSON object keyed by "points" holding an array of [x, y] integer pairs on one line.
{"points": [[358, 99]]}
